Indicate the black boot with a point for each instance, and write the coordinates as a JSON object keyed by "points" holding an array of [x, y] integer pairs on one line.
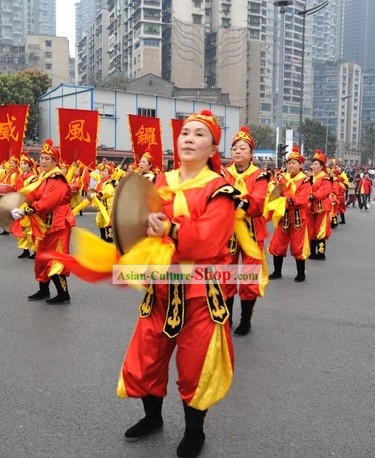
{"points": [[300, 270], [342, 218], [313, 244], [103, 233], [62, 290], [24, 254], [32, 256], [278, 265], [151, 423], [321, 255], [229, 302], [43, 292], [245, 323], [192, 443], [334, 222], [4, 232]]}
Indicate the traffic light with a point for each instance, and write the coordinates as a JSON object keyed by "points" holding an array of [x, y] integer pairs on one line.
{"points": [[281, 150]]}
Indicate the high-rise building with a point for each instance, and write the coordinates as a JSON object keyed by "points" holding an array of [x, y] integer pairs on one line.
{"points": [[92, 52], [41, 17], [86, 12], [337, 101], [18, 19], [50, 55], [368, 102], [358, 34], [326, 31]]}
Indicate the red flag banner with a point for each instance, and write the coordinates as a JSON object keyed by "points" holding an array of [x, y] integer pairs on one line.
{"points": [[78, 135], [13, 121], [145, 134], [176, 125]]}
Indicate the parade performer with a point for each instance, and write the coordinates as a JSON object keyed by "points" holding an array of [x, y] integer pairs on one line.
{"points": [[102, 200], [320, 206], [342, 187], [145, 166], [11, 178], [49, 199], [292, 228], [28, 176], [194, 226], [252, 184], [76, 186], [199, 211]]}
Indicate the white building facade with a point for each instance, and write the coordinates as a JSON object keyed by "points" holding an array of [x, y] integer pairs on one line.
{"points": [[114, 107]]}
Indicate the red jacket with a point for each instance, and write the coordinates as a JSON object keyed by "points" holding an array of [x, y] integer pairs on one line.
{"points": [[321, 191], [365, 185], [51, 201]]}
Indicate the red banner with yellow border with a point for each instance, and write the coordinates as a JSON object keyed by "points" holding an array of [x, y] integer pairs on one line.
{"points": [[78, 135], [13, 122], [176, 126], [145, 134]]}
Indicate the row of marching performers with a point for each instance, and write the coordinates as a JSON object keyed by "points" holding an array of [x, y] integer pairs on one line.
{"points": [[196, 225], [303, 208], [314, 201], [98, 186]]}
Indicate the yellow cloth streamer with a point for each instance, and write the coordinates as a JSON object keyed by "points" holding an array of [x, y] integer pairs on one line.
{"points": [[245, 239], [277, 208], [85, 203]]}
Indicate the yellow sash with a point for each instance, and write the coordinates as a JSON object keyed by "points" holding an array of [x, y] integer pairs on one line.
{"points": [[240, 178], [180, 206], [42, 177]]}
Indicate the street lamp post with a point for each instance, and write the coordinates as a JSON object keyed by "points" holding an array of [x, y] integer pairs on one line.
{"points": [[305, 12], [282, 4]]}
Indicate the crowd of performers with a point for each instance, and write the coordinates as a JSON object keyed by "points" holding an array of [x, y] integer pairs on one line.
{"points": [[211, 215]]}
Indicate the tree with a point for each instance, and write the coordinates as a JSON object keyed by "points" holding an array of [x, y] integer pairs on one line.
{"points": [[114, 82], [40, 81], [264, 136], [24, 88], [315, 136]]}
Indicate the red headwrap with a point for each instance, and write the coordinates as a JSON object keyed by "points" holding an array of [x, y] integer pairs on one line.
{"points": [[295, 154], [244, 134], [15, 160], [149, 157], [320, 156], [208, 119], [51, 150], [26, 158]]}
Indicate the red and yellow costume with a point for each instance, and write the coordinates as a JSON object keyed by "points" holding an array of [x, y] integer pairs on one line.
{"points": [[103, 197], [320, 208], [292, 228], [27, 242], [252, 185], [76, 186], [51, 202], [12, 175], [205, 217]]}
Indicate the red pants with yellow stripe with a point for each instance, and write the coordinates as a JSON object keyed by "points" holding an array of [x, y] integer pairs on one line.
{"points": [[53, 241], [204, 357]]}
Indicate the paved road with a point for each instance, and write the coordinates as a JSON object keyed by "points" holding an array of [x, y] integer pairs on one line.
{"points": [[304, 383]]}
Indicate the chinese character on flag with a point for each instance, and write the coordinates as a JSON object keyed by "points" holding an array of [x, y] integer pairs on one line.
{"points": [[78, 135], [13, 121], [145, 134], [176, 125]]}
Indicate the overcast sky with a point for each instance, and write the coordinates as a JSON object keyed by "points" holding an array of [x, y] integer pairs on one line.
{"points": [[65, 22]]}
